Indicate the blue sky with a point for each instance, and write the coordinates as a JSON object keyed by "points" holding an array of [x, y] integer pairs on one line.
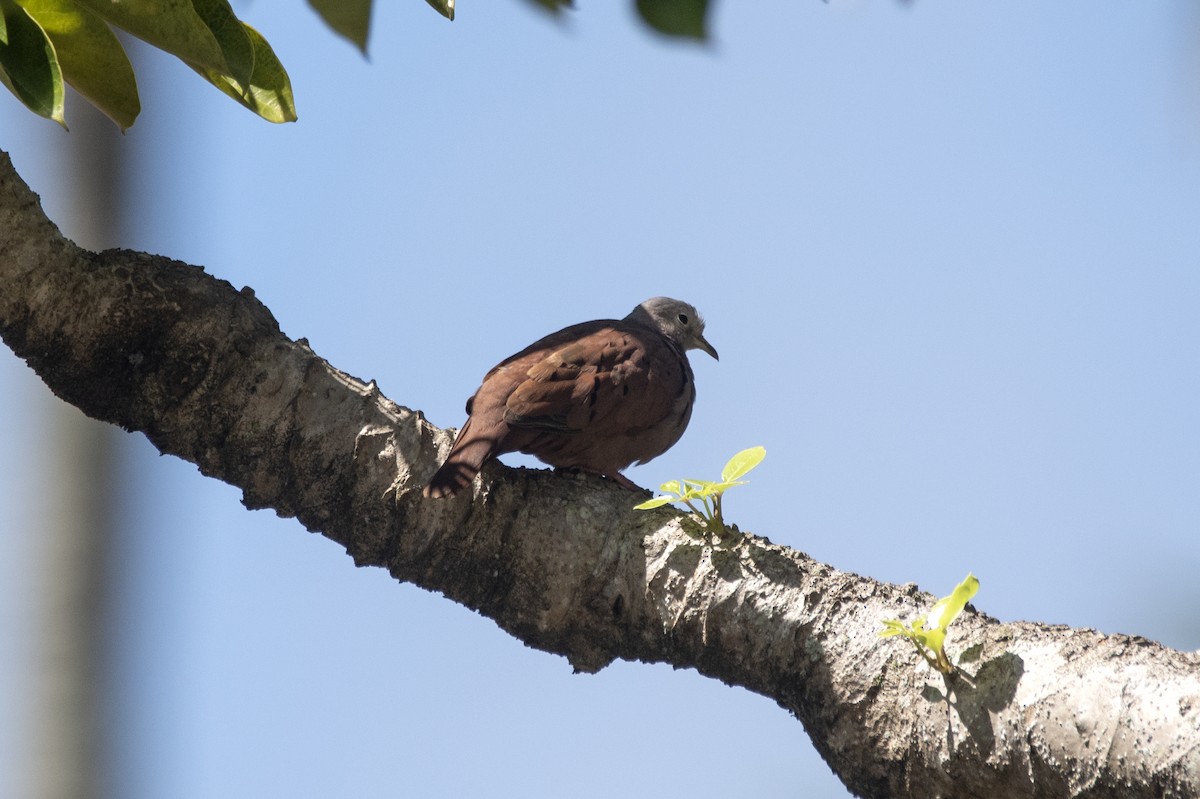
{"points": [[950, 257]]}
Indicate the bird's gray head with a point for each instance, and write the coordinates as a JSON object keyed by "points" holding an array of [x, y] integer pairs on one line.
{"points": [[675, 319]]}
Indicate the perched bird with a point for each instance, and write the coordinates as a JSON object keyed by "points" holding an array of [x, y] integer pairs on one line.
{"points": [[597, 397]]}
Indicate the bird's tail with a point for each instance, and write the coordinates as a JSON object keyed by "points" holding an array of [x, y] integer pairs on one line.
{"points": [[468, 455]]}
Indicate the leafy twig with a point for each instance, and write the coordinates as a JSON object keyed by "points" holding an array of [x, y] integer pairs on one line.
{"points": [[929, 632], [707, 493]]}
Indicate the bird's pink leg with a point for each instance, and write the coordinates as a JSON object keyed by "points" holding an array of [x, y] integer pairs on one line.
{"points": [[616, 477]]}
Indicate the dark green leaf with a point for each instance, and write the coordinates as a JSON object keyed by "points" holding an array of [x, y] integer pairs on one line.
{"points": [[231, 36], [444, 7], [269, 92], [350, 18], [686, 18], [171, 25], [553, 6], [91, 57], [28, 65]]}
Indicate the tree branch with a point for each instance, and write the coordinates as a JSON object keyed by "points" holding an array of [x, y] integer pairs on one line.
{"points": [[564, 564]]}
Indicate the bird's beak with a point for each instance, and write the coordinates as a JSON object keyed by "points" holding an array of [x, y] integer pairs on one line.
{"points": [[702, 344]]}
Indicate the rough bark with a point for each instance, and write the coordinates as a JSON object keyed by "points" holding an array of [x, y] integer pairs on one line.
{"points": [[563, 563]]}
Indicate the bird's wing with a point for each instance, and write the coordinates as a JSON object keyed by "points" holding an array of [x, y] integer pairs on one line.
{"points": [[606, 378]]}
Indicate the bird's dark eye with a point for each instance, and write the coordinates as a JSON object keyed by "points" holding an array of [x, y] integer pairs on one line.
{"points": [[683, 318]]}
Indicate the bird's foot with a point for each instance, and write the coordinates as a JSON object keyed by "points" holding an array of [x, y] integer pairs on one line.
{"points": [[625, 482], [616, 477]]}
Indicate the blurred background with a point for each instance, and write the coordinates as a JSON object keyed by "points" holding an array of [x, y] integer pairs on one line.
{"points": [[950, 257]]}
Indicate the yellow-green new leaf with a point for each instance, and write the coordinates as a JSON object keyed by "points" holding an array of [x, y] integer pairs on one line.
{"points": [[269, 93], [350, 18], [671, 487], [90, 56], [709, 489], [946, 610], [657, 502], [694, 489], [742, 463], [28, 64], [171, 25]]}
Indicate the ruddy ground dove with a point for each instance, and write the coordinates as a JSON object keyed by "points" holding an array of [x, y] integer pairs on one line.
{"points": [[595, 397]]}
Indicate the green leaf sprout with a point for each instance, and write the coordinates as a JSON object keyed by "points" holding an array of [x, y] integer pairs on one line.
{"points": [[928, 632], [707, 493]]}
